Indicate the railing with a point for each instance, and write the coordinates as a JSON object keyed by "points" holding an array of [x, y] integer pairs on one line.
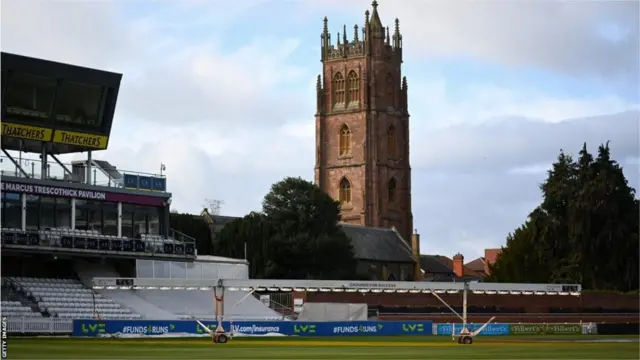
{"points": [[213, 317], [181, 237], [29, 325], [280, 302], [32, 168], [287, 312], [90, 242]]}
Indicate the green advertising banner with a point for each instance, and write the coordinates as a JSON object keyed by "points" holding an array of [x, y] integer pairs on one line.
{"points": [[546, 329]]}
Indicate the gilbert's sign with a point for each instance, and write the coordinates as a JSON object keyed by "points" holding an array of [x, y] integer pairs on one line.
{"points": [[55, 191]]}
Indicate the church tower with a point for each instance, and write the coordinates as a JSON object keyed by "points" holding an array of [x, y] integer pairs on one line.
{"points": [[362, 126]]}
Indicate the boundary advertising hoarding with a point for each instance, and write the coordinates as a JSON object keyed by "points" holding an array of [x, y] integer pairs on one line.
{"points": [[93, 328], [546, 329], [490, 330]]}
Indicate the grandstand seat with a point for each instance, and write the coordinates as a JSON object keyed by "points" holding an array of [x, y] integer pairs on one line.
{"points": [[15, 308], [70, 299]]}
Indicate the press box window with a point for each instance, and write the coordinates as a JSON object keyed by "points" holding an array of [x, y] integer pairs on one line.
{"points": [[11, 210], [28, 97], [78, 105]]}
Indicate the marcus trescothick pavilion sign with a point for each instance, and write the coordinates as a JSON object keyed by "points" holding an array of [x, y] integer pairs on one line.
{"points": [[59, 191], [55, 191]]}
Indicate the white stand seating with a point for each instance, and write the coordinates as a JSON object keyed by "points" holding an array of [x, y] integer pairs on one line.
{"points": [[68, 298]]}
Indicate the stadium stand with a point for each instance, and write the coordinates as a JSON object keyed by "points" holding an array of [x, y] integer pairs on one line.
{"points": [[63, 224], [65, 293], [159, 304], [16, 308], [68, 298]]}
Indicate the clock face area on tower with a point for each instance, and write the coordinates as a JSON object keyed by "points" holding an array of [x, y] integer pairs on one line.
{"points": [[362, 125]]}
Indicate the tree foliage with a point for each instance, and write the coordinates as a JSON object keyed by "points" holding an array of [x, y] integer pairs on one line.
{"points": [[195, 227], [585, 230], [296, 236]]}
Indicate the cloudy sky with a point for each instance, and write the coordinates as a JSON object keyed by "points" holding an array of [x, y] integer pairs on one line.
{"points": [[222, 92]]}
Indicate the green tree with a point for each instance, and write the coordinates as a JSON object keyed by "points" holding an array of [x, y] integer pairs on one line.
{"points": [[295, 237], [584, 231], [298, 206], [252, 233], [522, 258], [195, 227]]}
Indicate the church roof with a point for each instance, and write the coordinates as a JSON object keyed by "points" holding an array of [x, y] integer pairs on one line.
{"points": [[377, 244], [432, 265]]}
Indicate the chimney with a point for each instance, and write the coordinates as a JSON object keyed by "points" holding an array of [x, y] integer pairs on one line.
{"points": [[458, 267], [415, 250]]}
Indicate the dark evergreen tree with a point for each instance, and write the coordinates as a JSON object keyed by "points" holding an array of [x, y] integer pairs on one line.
{"points": [[584, 231], [250, 233], [195, 227]]}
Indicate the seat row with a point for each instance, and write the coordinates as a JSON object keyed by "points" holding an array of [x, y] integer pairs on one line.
{"points": [[66, 310], [55, 234], [42, 280], [66, 298], [75, 304], [15, 308], [87, 315]]}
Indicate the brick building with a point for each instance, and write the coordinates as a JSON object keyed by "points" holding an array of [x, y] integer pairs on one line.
{"points": [[362, 126]]}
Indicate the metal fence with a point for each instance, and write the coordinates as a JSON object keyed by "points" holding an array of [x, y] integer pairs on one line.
{"points": [[26, 325]]}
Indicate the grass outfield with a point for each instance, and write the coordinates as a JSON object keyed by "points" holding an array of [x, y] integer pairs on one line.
{"points": [[431, 347]]}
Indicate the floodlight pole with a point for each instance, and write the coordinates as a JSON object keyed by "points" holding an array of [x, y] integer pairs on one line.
{"points": [[464, 305], [219, 305]]}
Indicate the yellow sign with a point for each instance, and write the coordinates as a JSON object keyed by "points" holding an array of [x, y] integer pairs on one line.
{"points": [[26, 132], [80, 139]]}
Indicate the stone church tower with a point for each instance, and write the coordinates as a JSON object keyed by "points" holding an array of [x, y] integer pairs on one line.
{"points": [[362, 126]]}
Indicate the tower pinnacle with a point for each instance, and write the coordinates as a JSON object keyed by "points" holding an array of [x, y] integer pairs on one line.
{"points": [[376, 23]]}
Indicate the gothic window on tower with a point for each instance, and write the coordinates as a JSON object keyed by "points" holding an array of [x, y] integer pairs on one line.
{"points": [[390, 90], [345, 140], [345, 191], [353, 96], [338, 89], [392, 190], [391, 141]]}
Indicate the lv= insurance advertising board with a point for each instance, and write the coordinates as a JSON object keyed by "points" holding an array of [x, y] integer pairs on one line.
{"points": [[93, 328]]}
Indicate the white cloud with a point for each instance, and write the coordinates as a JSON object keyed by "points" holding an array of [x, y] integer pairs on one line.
{"points": [[530, 169], [512, 142], [84, 33], [565, 36], [432, 108], [228, 121]]}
